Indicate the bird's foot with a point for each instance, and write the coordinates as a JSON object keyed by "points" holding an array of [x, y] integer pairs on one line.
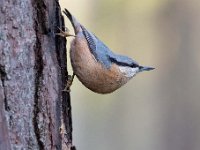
{"points": [[65, 33], [69, 83]]}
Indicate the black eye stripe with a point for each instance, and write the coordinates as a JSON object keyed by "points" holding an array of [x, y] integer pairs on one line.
{"points": [[124, 64]]}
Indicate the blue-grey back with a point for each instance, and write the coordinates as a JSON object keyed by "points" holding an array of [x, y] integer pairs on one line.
{"points": [[103, 54]]}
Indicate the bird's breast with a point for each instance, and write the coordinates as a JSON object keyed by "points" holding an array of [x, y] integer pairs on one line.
{"points": [[91, 72]]}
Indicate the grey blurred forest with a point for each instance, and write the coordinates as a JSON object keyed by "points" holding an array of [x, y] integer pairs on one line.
{"points": [[157, 110]]}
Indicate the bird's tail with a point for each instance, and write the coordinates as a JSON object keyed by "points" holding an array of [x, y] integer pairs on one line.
{"points": [[76, 25]]}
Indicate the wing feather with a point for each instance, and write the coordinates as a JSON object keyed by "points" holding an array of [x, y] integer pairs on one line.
{"points": [[103, 54]]}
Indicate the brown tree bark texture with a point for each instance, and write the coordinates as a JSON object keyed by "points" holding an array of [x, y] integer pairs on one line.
{"points": [[32, 76]]}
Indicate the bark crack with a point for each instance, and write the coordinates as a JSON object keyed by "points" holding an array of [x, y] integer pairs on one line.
{"points": [[38, 80], [50, 124], [3, 78], [40, 28]]}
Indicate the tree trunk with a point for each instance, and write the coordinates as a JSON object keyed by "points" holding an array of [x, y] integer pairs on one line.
{"points": [[32, 75]]}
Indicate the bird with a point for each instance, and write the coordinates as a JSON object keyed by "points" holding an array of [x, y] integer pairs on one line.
{"points": [[95, 65]]}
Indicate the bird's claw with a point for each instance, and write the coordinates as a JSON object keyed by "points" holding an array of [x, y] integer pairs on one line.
{"points": [[69, 83], [65, 33]]}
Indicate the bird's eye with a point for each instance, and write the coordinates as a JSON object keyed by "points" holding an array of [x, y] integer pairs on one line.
{"points": [[134, 65]]}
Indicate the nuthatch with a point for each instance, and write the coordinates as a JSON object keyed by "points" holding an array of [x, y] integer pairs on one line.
{"points": [[95, 65]]}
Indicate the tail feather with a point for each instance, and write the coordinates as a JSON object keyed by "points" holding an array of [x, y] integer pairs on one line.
{"points": [[76, 25]]}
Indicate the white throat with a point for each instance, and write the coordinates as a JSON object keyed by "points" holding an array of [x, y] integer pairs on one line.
{"points": [[128, 71]]}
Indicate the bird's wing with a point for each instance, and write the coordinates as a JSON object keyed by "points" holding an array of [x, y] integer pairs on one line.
{"points": [[103, 54], [91, 41], [99, 50]]}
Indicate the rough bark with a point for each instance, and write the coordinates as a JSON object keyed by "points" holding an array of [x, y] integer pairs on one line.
{"points": [[32, 75]]}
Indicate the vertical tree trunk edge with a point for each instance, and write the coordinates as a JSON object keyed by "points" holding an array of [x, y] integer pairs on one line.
{"points": [[34, 111]]}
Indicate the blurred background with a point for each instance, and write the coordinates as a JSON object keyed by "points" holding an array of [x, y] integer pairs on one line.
{"points": [[156, 110]]}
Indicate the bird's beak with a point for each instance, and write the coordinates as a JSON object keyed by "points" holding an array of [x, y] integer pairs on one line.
{"points": [[144, 68]]}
